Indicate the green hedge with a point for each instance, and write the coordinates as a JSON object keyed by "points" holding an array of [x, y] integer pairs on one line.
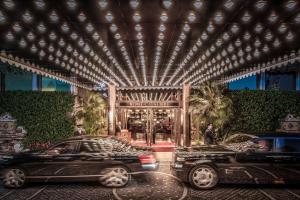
{"points": [[261, 111], [45, 115]]}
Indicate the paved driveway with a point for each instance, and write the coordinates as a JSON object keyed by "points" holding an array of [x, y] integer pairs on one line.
{"points": [[159, 185]]}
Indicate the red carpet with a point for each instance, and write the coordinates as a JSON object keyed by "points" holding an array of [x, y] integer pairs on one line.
{"points": [[163, 149], [160, 146]]}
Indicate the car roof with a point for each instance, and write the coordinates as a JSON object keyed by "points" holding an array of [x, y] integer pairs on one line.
{"points": [[280, 135], [91, 138], [81, 137]]}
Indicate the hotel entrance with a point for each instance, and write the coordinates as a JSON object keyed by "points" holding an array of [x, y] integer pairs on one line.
{"points": [[149, 118], [151, 125]]}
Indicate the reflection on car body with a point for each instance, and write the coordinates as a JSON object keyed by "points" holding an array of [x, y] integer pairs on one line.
{"points": [[269, 159], [107, 160]]}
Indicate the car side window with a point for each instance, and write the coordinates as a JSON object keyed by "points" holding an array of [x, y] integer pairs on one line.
{"points": [[264, 145], [63, 148], [90, 147], [290, 145]]}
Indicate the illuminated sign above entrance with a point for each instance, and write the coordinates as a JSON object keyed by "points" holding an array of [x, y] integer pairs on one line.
{"points": [[149, 104]]}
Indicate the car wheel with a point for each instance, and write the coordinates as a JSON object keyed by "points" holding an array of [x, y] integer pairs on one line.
{"points": [[114, 177], [14, 178], [203, 177]]}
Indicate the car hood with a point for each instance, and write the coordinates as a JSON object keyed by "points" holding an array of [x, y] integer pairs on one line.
{"points": [[21, 155], [205, 148]]}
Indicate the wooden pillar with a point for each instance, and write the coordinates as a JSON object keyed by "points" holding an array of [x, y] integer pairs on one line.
{"points": [[178, 127], [112, 109], [125, 119], [186, 115], [122, 119]]}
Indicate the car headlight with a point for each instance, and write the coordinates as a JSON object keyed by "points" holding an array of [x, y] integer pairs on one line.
{"points": [[180, 159], [7, 157]]}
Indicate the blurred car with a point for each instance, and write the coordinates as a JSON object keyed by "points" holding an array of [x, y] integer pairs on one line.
{"points": [[107, 160], [270, 159]]}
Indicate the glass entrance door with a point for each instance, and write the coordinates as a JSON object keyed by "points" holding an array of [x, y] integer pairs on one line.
{"points": [[151, 125]]}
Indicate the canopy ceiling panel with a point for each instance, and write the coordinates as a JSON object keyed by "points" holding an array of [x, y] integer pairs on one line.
{"points": [[150, 43]]}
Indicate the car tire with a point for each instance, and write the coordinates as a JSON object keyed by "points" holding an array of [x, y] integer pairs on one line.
{"points": [[14, 178], [115, 177], [203, 177]]}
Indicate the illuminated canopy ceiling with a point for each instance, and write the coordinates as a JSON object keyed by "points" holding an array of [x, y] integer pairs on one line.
{"points": [[149, 43]]}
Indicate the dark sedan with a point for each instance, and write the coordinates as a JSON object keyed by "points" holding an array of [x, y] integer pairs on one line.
{"points": [[269, 159], [107, 160]]}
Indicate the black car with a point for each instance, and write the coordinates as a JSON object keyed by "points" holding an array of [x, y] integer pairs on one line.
{"points": [[268, 159], [107, 160]]}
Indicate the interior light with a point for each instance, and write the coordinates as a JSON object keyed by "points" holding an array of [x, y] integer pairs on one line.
{"points": [[138, 27], [103, 4], [167, 3], [162, 28], [71, 4], [134, 3], [164, 17], [186, 28], [198, 4], [9, 4], [260, 5], [219, 18], [137, 17], [40, 4], [192, 17], [139, 36], [113, 28], [109, 17]]}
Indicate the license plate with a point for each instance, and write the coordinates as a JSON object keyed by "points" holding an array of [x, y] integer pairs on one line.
{"points": [[178, 165]]}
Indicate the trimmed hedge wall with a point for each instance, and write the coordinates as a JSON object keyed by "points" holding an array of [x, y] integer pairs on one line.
{"points": [[45, 115], [258, 111]]}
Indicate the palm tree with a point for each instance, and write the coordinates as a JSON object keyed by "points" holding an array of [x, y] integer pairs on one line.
{"points": [[94, 123], [209, 105]]}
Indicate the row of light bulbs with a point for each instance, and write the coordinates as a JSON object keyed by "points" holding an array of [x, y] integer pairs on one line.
{"points": [[259, 6], [256, 53], [246, 18], [178, 46], [90, 29], [266, 66], [40, 46], [233, 60], [235, 28], [134, 4], [159, 46], [140, 41], [275, 63], [34, 68], [117, 36], [41, 28]]}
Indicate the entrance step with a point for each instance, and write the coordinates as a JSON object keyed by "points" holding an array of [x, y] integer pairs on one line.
{"points": [[163, 156]]}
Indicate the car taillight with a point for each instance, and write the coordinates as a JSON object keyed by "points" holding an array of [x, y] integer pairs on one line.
{"points": [[147, 159]]}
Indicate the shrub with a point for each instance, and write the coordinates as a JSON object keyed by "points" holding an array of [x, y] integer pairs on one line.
{"points": [[45, 115], [261, 111], [94, 122]]}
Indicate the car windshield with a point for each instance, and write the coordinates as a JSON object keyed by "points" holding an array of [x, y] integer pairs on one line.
{"points": [[104, 145], [62, 148], [263, 145]]}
